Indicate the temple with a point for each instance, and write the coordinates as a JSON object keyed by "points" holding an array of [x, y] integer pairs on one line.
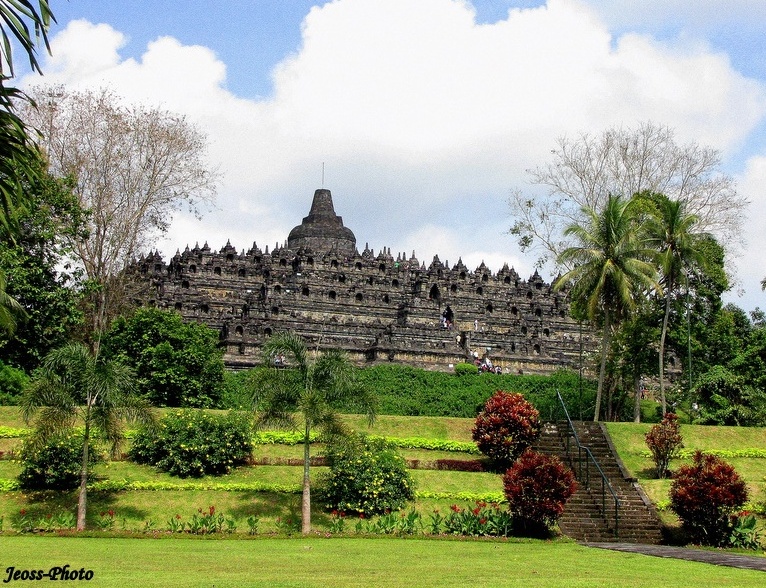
{"points": [[377, 307]]}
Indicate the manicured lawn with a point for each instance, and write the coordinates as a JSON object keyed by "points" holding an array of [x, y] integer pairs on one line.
{"points": [[629, 441], [339, 562]]}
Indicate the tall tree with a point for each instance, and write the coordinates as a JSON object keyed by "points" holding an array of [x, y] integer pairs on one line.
{"points": [[671, 231], [39, 276], [75, 385], [587, 169], [610, 268], [133, 168], [311, 390]]}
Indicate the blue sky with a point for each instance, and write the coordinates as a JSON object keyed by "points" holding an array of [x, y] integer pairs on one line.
{"points": [[426, 113]]}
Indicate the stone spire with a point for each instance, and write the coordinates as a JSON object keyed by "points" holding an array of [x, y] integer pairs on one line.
{"points": [[322, 230]]}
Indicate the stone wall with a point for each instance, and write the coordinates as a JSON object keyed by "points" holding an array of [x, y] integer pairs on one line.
{"points": [[377, 307]]}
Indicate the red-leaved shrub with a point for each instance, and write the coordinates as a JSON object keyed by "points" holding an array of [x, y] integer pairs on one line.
{"points": [[664, 440], [506, 426], [705, 495], [537, 488]]}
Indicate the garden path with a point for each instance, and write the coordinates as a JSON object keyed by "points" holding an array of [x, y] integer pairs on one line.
{"points": [[718, 558]]}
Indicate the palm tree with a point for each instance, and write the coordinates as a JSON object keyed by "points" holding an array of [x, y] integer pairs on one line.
{"points": [[610, 267], [17, 151], [74, 386], [671, 232], [312, 389]]}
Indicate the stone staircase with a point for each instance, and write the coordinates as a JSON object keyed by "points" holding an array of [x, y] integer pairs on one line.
{"points": [[590, 513]]}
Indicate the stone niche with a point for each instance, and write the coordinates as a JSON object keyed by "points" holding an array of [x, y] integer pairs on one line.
{"points": [[379, 308]]}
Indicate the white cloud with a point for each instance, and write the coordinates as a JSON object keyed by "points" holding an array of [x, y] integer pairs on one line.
{"points": [[425, 120], [752, 265]]}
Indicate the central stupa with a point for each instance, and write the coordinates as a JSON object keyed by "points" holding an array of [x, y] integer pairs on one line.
{"points": [[322, 230]]}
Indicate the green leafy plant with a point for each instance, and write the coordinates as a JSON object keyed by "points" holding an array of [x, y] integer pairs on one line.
{"points": [[664, 441], [54, 465], [465, 369], [366, 476], [106, 520], [176, 363], [195, 443], [537, 488], [483, 519], [12, 383], [744, 532], [506, 426]]}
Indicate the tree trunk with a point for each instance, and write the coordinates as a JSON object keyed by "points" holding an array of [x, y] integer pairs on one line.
{"points": [[637, 392], [602, 370], [306, 500], [82, 500], [662, 350]]}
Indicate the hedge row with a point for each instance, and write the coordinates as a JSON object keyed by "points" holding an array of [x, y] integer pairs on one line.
{"points": [[752, 453], [126, 485], [408, 391]]}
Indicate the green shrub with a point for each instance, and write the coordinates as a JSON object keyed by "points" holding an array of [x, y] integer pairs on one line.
{"points": [[195, 443], [506, 426], [12, 383], [408, 391], [367, 476], [463, 369], [705, 495], [177, 364], [55, 465]]}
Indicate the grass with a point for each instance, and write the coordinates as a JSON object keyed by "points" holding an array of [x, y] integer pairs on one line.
{"points": [[629, 441], [340, 562]]}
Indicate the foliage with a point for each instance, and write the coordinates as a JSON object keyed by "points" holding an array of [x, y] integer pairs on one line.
{"points": [[672, 232], [744, 532], [40, 278], [177, 364], [609, 268], [587, 169], [408, 391], [17, 151], [726, 399], [366, 476], [73, 384], [704, 495], [462, 369], [537, 488], [194, 443], [314, 390], [133, 165], [506, 426], [484, 519], [12, 383], [664, 441], [55, 465]]}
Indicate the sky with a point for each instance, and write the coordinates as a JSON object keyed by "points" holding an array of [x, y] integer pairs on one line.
{"points": [[423, 116]]}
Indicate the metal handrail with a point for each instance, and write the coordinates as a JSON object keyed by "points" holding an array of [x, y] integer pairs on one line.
{"points": [[582, 449]]}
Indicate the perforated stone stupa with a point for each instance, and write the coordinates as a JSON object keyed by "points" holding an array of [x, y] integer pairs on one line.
{"points": [[376, 306]]}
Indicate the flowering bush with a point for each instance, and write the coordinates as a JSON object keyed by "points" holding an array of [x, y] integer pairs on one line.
{"points": [[664, 441], [195, 443], [537, 488], [506, 426], [705, 495], [366, 476], [55, 465]]}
